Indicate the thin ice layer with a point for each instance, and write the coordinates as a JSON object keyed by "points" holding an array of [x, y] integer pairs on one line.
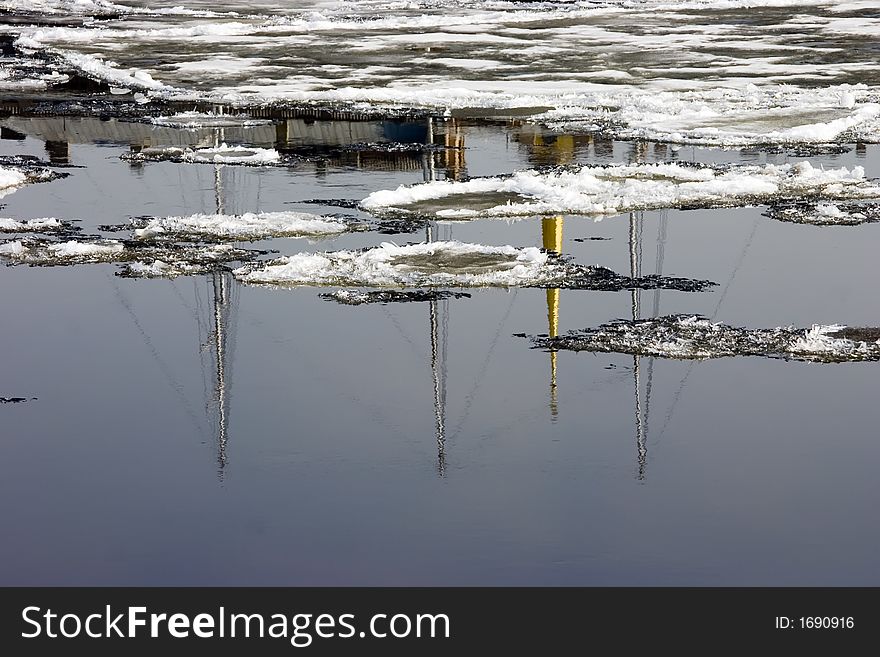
{"points": [[695, 337], [825, 213], [363, 297], [613, 189], [703, 71], [223, 154], [42, 252], [448, 264], [10, 179], [174, 259], [731, 117], [197, 120], [49, 224], [249, 226], [14, 176]]}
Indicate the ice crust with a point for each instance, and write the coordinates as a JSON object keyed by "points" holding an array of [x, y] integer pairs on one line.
{"points": [[249, 226], [694, 337], [599, 190]]}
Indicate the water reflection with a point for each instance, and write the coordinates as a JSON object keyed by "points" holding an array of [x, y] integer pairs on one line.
{"points": [[436, 147]]}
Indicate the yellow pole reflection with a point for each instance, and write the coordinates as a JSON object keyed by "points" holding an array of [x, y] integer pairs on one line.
{"points": [[551, 233]]}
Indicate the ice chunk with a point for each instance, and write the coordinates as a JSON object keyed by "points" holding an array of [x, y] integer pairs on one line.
{"points": [[194, 120], [598, 190], [249, 226], [696, 337], [362, 297], [30, 225], [10, 179], [167, 259], [43, 252], [448, 264], [223, 154], [825, 213]]}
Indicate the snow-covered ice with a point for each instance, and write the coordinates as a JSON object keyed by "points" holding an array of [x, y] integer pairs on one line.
{"points": [[48, 224], [448, 264], [602, 190], [223, 154], [248, 226], [696, 337]]}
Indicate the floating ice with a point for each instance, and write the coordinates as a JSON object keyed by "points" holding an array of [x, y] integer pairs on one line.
{"points": [[63, 7], [14, 176], [185, 261], [825, 213], [96, 9], [142, 259], [695, 337], [41, 252], [196, 120], [620, 188], [31, 225], [249, 226], [223, 154], [675, 71], [361, 297], [448, 264], [728, 116], [11, 178]]}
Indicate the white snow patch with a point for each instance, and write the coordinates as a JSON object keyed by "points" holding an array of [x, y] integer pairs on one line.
{"points": [[14, 249], [75, 249], [613, 189], [10, 178], [430, 265], [194, 120], [246, 226], [30, 225], [223, 154]]}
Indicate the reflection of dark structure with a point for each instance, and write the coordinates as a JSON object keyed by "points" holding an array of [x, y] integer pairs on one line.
{"points": [[436, 147], [439, 343], [12, 135], [217, 349], [58, 152]]}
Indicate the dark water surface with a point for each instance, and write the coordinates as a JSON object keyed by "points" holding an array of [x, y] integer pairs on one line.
{"points": [[422, 443]]}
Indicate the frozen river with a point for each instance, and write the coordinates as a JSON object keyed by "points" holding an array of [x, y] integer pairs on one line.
{"points": [[439, 293]]}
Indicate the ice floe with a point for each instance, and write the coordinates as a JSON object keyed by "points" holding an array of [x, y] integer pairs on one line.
{"points": [[223, 154], [50, 224], [696, 337], [14, 176], [41, 252], [63, 7], [598, 190], [11, 178], [671, 71], [448, 264], [97, 9], [197, 120], [362, 297], [248, 226], [738, 116], [825, 213], [188, 261], [140, 259]]}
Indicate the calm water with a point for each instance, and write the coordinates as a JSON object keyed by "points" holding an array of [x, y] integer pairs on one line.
{"points": [[342, 452], [198, 431]]}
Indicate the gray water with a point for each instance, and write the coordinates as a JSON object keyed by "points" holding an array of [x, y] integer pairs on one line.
{"points": [[422, 443]]}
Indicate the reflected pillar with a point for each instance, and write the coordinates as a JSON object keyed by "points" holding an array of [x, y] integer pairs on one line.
{"points": [[551, 233]]}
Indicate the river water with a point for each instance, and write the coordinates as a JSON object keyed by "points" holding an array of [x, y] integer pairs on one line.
{"points": [[203, 429]]}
